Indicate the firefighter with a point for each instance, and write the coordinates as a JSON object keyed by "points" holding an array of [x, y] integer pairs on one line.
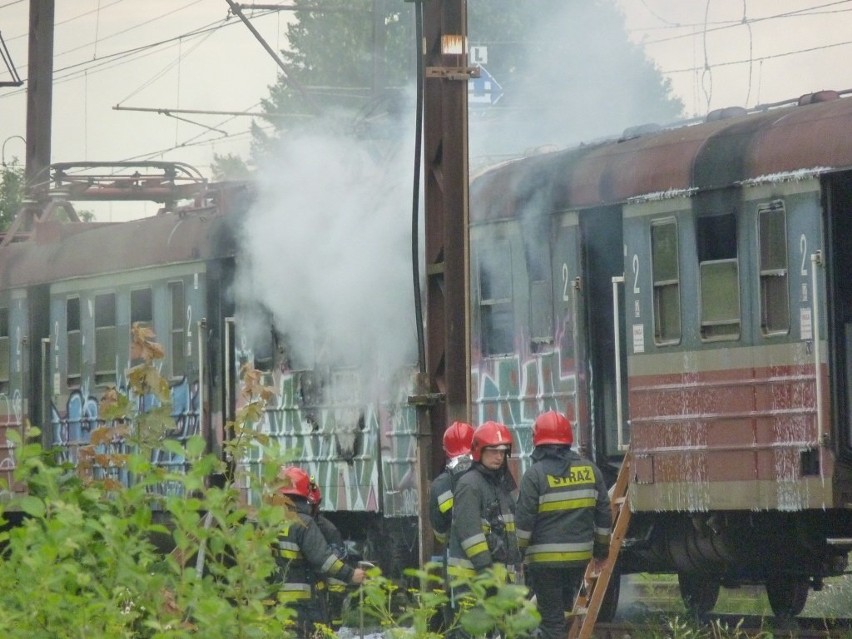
{"points": [[483, 530], [457, 440], [563, 519], [304, 557], [332, 593], [331, 533]]}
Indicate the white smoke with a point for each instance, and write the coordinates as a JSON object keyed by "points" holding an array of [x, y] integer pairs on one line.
{"points": [[326, 249], [570, 75]]}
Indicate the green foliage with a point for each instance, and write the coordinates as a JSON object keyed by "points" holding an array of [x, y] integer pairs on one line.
{"points": [[166, 555], [106, 560], [489, 605], [229, 167], [11, 193], [97, 562]]}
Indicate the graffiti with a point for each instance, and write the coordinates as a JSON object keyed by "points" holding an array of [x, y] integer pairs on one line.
{"points": [[11, 417], [356, 437], [11, 409], [71, 426], [515, 389]]}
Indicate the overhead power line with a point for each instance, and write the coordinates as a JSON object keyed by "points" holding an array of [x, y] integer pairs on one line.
{"points": [[797, 13], [774, 56]]}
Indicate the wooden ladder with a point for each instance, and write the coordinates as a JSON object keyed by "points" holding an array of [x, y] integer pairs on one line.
{"points": [[591, 594]]}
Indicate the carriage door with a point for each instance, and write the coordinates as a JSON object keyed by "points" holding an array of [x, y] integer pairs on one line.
{"points": [[837, 190], [602, 259]]}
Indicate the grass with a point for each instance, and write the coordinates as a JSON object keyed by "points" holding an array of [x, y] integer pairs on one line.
{"points": [[646, 594]]}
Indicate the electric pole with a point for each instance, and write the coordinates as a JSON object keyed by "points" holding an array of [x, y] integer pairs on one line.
{"points": [[39, 99], [445, 153]]}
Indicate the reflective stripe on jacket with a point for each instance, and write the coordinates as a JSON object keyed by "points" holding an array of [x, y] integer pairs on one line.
{"points": [[563, 515], [441, 505], [303, 555], [479, 495]]}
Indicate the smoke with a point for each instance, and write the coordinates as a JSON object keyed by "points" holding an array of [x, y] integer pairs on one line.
{"points": [[569, 74], [326, 250]]}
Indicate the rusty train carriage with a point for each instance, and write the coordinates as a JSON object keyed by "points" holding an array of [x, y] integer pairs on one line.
{"points": [[68, 296], [686, 292]]}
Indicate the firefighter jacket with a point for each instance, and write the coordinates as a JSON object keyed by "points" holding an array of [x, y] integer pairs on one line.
{"points": [[483, 530], [441, 506], [304, 557], [441, 497], [563, 515], [331, 534]]}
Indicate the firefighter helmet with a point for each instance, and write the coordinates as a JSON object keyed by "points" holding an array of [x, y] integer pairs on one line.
{"points": [[457, 439], [296, 482], [489, 435], [552, 428]]}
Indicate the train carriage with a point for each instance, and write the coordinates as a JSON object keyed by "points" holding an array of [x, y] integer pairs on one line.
{"points": [[70, 292], [698, 276]]}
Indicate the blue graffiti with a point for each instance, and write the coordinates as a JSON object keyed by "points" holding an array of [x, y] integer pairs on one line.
{"points": [[72, 428]]}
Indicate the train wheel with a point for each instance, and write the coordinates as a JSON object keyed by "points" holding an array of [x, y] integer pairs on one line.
{"points": [[787, 595], [699, 592]]}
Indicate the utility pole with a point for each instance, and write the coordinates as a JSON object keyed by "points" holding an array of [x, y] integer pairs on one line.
{"points": [[39, 100], [446, 193], [445, 154], [39, 113]]}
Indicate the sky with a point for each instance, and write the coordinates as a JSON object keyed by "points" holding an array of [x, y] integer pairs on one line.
{"points": [[195, 55]]}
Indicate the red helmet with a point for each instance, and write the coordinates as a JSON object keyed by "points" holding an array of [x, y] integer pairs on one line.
{"points": [[487, 435], [296, 482], [552, 428], [314, 493], [457, 439]]}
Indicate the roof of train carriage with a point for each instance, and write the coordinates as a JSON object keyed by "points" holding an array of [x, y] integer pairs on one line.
{"points": [[58, 251], [730, 146]]}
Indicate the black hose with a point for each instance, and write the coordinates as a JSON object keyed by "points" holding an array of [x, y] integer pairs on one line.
{"points": [[415, 212]]}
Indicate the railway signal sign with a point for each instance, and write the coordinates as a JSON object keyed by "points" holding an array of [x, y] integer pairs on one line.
{"points": [[484, 89]]}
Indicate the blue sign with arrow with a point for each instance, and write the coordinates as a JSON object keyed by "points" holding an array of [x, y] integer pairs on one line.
{"points": [[484, 90]]}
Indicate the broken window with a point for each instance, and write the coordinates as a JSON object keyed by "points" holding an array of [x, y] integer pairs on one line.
{"points": [[74, 365], [5, 351], [105, 339], [177, 309], [495, 300], [141, 313]]}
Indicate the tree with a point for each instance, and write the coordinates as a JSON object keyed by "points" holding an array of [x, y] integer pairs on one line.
{"points": [[567, 69], [569, 74], [11, 193], [344, 64], [229, 167]]}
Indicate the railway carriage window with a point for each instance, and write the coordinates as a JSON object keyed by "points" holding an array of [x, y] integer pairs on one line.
{"points": [[535, 232], [141, 312], [177, 348], [774, 292], [105, 348], [666, 274], [719, 276], [263, 347], [495, 300], [141, 307], [720, 300], [73, 366], [541, 315], [5, 347]]}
